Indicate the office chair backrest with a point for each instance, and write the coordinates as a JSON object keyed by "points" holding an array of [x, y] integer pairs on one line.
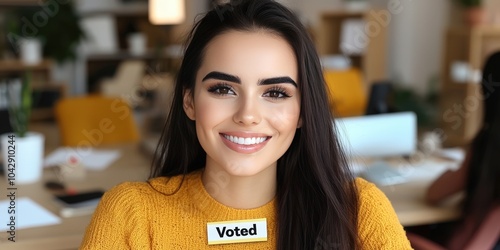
{"points": [[94, 121], [345, 87]]}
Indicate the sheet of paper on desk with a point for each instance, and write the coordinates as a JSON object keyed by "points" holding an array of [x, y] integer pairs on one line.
{"points": [[94, 159], [28, 214]]}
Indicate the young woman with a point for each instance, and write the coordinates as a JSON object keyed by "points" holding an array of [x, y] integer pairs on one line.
{"points": [[249, 158], [478, 176]]}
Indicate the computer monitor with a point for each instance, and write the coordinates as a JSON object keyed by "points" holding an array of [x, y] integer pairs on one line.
{"points": [[381, 135]]}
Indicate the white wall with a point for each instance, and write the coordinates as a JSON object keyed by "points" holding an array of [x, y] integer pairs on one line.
{"points": [[417, 42], [193, 9]]}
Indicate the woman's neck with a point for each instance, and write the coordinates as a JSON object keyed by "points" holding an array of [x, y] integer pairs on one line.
{"points": [[242, 192]]}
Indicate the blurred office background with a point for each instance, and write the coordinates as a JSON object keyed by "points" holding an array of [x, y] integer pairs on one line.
{"points": [[422, 48], [425, 49], [379, 56]]}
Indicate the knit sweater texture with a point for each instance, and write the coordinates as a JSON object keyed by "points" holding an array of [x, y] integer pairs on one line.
{"points": [[166, 213]]}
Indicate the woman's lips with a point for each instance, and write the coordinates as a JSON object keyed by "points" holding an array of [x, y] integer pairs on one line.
{"points": [[246, 145]]}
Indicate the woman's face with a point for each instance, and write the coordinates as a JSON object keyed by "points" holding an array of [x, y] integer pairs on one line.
{"points": [[246, 102]]}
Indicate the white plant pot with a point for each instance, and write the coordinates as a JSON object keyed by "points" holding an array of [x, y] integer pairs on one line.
{"points": [[31, 51], [22, 157], [137, 43]]}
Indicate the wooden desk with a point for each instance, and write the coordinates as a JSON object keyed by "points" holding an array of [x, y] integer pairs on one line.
{"points": [[131, 166], [408, 198], [411, 208]]}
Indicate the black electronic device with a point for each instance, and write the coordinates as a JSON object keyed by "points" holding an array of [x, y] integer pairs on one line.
{"points": [[80, 199], [379, 100]]}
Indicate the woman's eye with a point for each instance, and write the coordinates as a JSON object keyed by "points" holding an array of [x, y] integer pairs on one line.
{"points": [[221, 90], [276, 94]]}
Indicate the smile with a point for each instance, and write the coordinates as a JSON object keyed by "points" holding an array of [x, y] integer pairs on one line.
{"points": [[245, 141]]}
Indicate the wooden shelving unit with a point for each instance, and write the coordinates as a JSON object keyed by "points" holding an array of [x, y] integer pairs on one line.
{"points": [[16, 68], [45, 91], [103, 65], [373, 62], [461, 104]]}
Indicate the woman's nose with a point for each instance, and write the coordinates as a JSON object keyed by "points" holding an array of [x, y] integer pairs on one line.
{"points": [[248, 112]]}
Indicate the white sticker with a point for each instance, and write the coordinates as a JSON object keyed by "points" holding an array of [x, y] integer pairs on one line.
{"points": [[237, 231]]}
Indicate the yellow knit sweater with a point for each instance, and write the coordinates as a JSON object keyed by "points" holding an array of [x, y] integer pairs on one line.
{"points": [[141, 216]]}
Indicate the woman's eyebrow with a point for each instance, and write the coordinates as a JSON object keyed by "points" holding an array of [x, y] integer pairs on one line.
{"points": [[221, 76], [275, 80], [231, 78]]}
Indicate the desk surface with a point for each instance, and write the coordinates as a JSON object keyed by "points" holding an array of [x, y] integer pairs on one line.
{"points": [[411, 208], [407, 200]]}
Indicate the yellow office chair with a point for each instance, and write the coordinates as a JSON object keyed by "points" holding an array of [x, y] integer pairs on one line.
{"points": [[95, 121], [347, 92]]}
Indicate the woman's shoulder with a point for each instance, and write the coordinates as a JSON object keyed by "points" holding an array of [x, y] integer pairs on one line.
{"points": [[370, 196], [363, 184], [366, 189], [378, 223]]}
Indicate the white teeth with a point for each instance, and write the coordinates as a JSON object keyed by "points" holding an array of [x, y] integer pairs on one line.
{"points": [[245, 141]]}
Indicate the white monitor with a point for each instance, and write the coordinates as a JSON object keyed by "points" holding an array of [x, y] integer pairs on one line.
{"points": [[382, 135]]}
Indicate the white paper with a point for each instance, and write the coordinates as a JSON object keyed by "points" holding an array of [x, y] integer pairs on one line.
{"points": [[27, 214], [93, 159]]}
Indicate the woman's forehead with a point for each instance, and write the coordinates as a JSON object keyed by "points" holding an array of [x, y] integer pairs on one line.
{"points": [[250, 52]]}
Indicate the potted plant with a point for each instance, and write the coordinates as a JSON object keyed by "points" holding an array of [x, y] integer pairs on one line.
{"points": [[58, 31], [474, 13], [22, 151]]}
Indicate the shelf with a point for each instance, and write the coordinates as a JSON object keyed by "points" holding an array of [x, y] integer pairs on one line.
{"points": [[461, 103], [15, 3], [128, 9], [373, 61], [124, 55], [480, 30], [41, 73], [19, 66]]}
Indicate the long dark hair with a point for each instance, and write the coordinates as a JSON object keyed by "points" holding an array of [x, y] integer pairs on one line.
{"points": [[483, 184], [317, 201]]}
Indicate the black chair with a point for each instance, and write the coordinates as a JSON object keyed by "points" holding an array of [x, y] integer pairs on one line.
{"points": [[379, 100]]}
